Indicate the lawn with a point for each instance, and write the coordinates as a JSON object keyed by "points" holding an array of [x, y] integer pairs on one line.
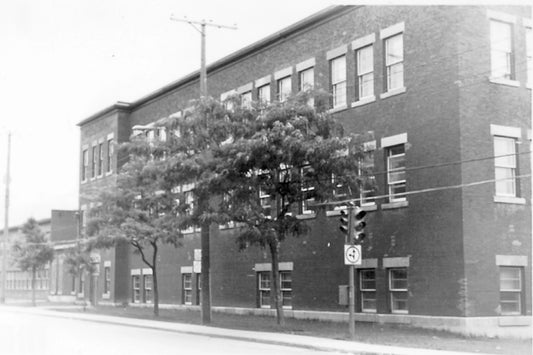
{"points": [[396, 335]]}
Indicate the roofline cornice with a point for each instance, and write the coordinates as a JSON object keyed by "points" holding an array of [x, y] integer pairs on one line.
{"points": [[118, 106]]}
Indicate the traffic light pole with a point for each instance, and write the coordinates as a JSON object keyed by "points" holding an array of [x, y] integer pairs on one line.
{"points": [[351, 275]]}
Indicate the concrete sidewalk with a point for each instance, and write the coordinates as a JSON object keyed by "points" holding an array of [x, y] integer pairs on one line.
{"points": [[306, 342]]}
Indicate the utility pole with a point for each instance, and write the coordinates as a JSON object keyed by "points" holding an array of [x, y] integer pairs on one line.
{"points": [[6, 224], [351, 276], [203, 202], [202, 31]]}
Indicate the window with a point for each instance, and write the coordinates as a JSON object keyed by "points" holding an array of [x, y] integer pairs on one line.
{"points": [[73, 285], [367, 288], [505, 166], [501, 50], [198, 288], [100, 158], [338, 81], [246, 99], [109, 154], [136, 284], [396, 173], [394, 62], [148, 288], [284, 88], [510, 290], [365, 167], [264, 289], [263, 94], [398, 290], [85, 164], [187, 288], [266, 202], [285, 278], [364, 58], [81, 283], [107, 280], [306, 82], [529, 51], [95, 159], [307, 190]]}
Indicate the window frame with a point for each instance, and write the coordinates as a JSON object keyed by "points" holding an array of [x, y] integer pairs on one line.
{"points": [[84, 164], [286, 292], [388, 66], [109, 157], [136, 288], [392, 185], [518, 292], [283, 84], [395, 291], [512, 168], [186, 284], [94, 161], [263, 291], [338, 88], [364, 291], [148, 295], [107, 280], [360, 74], [261, 91], [509, 72]]}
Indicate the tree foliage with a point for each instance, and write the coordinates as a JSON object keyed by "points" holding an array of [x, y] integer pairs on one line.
{"points": [[33, 251]]}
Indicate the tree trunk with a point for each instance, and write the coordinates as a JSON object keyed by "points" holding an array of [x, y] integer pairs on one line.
{"points": [[206, 265], [154, 283], [275, 285], [33, 302]]}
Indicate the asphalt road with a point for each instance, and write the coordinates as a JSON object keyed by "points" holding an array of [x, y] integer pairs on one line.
{"points": [[29, 334]]}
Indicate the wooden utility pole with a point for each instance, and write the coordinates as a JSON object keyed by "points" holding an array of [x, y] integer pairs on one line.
{"points": [[205, 233]]}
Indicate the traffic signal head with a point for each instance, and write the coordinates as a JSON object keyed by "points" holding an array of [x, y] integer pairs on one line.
{"points": [[344, 223], [359, 224]]}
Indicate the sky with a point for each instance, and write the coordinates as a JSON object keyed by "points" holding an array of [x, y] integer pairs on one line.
{"points": [[63, 60]]}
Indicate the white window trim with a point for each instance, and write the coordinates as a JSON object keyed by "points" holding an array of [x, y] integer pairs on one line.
{"points": [[512, 260], [135, 272], [506, 131], [225, 95], [363, 41], [502, 81], [280, 74], [84, 178], [337, 52], [147, 271], [245, 88], [263, 81], [306, 64], [363, 290], [393, 92], [392, 30], [393, 140], [186, 270], [501, 16], [392, 290], [364, 101]]}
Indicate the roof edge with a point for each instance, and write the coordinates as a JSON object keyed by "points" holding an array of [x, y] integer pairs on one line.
{"points": [[119, 105]]}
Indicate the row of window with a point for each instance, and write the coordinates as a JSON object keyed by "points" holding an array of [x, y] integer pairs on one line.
{"points": [[142, 287], [502, 48], [364, 70], [97, 159], [21, 280]]}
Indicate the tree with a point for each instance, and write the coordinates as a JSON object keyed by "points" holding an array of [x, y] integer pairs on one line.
{"points": [[140, 209], [291, 153], [78, 262], [32, 252]]}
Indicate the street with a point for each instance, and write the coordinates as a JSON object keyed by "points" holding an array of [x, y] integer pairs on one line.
{"points": [[29, 334]]}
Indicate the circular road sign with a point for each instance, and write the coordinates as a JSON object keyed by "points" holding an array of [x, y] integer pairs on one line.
{"points": [[352, 254]]}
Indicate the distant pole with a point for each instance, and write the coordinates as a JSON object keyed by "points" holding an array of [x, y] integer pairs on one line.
{"points": [[6, 223], [205, 235]]}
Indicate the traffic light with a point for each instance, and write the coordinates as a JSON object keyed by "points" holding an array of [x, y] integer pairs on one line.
{"points": [[344, 225], [359, 224]]}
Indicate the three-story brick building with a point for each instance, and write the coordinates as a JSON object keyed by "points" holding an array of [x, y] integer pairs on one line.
{"points": [[446, 91]]}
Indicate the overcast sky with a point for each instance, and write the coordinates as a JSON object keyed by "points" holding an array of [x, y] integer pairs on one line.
{"points": [[63, 60]]}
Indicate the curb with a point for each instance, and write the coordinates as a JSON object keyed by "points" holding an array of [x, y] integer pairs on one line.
{"points": [[297, 341]]}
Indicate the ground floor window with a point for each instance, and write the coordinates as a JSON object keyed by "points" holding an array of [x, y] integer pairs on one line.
{"points": [[264, 289], [511, 290], [367, 290], [187, 288], [81, 283], [136, 285], [107, 279], [148, 288], [198, 288], [398, 290]]}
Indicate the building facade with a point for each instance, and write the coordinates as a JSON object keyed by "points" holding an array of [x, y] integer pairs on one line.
{"points": [[446, 91]]}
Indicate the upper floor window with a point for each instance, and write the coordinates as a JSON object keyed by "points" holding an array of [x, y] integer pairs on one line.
{"points": [[109, 155], [85, 164], [338, 81], [306, 82], [505, 166], [501, 50], [94, 161], [365, 72], [246, 99], [100, 158], [365, 169], [529, 49], [396, 173], [307, 190], [284, 88], [394, 62], [263, 94]]}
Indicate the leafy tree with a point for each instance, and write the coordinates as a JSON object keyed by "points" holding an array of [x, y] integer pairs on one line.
{"points": [[292, 153], [78, 261], [140, 209], [33, 251]]}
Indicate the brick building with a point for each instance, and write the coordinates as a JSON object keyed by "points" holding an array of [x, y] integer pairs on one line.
{"points": [[445, 89]]}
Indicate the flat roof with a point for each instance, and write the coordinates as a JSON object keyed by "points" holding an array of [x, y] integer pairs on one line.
{"points": [[241, 53]]}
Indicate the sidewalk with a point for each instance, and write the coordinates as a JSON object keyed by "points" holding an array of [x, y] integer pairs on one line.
{"points": [[306, 342]]}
